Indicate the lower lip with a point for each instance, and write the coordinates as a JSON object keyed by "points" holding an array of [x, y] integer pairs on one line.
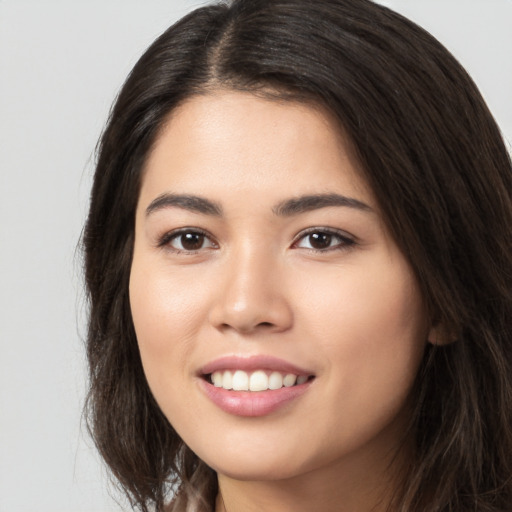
{"points": [[252, 403]]}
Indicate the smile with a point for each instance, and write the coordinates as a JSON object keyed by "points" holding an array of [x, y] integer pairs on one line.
{"points": [[253, 386], [259, 380]]}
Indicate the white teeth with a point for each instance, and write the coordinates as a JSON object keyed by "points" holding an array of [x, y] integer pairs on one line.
{"points": [[227, 380], [275, 381], [255, 381], [258, 381], [289, 380], [217, 379], [240, 381]]}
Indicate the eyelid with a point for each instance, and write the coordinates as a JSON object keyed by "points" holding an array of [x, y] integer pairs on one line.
{"points": [[164, 240], [347, 240]]}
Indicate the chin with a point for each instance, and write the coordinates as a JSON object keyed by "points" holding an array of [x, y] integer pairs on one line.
{"points": [[258, 471], [256, 463]]}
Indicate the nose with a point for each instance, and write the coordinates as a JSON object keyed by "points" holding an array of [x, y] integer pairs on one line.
{"points": [[252, 297]]}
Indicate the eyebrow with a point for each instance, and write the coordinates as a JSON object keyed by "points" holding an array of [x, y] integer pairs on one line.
{"points": [[188, 202], [308, 203], [293, 206]]}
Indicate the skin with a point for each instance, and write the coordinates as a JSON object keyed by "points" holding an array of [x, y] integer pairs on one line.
{"points": [[351, 314]]}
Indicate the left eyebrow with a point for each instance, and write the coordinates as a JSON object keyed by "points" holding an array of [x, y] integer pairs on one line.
{"points": [[308, 203]]}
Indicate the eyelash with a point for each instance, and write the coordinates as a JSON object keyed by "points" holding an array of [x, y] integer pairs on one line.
{"points": [[345, 241], [167, 238]]}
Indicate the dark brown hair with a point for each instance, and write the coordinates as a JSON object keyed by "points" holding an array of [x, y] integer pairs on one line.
{"points": [[435, 160]]}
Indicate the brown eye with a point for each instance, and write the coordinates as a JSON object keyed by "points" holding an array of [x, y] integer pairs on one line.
{"points": [[320, 240], [324, 240], [189, 241]]}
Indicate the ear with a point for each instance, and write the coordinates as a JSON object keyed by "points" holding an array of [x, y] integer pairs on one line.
{"points": [[439, 335]]}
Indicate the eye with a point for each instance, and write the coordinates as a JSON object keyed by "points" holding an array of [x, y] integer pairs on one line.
{"points": [[187, 240], [322, 240]]}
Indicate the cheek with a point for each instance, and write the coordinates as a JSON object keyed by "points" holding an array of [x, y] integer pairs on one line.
{"points": [[361, 300], [371, 329], [167, 313]]}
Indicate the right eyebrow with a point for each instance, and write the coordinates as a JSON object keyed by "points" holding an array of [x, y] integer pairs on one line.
{"points": [[191, 203]]}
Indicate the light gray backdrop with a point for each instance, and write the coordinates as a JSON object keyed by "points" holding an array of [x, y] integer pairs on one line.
{"points": [[61, 64]]}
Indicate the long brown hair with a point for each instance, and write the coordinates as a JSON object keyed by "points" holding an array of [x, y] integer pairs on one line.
{"points": [[435, 160]]}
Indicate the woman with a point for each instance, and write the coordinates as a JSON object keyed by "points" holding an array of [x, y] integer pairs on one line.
{"points": [[298, 257]]}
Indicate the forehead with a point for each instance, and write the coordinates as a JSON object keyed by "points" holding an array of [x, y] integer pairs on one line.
{"points": [[237, 141]]}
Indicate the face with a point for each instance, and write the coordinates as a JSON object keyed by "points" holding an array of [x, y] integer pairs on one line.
{"points": [[271, 306]]}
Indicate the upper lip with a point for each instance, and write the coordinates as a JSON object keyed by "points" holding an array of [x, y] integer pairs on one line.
{"points": [[252, 363]]}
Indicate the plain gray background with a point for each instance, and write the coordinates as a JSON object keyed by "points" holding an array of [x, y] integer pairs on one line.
{"points": [[61, 64]]}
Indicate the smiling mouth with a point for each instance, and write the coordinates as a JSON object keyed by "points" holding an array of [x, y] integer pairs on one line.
{"points": [[259, 380]]}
